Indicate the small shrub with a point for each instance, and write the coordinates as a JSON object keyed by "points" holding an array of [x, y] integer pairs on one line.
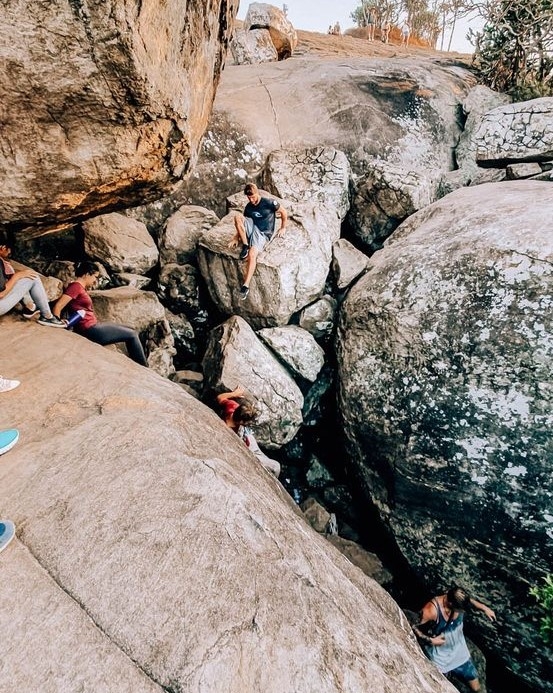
{"points": [[544, 597]]}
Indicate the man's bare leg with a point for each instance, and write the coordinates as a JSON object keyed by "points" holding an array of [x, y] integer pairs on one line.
{"points": [[240, 228], [250, 267]]}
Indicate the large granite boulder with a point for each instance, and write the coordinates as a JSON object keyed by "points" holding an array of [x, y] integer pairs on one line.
{"points": [[296, 348], [261, 15], [142, 311], [406, 112], [316, 174], [121, 243], [445, 380], [478, 102], [515, 133], [178, 287], [291, 271], [235, 356], [180, 234], [104, 104], [385, 196], [153, 553], [348, 263], [251, 47]]}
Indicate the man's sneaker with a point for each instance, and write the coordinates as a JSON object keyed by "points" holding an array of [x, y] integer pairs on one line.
{"points": [[30, 313], [244, 291], [51, 322], [244, 252], [8, 439], [6, 384]]}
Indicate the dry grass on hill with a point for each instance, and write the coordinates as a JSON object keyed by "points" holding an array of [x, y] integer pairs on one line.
{"points": [[355, 43]]}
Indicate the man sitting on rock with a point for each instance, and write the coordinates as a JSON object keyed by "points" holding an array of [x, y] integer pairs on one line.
{"points": [[255, 228]]}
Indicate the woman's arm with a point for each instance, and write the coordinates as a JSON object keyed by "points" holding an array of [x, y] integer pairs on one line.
{"points": [[60, 304], [238, 392], [482, 607]]}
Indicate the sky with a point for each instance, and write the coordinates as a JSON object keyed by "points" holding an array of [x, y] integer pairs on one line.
{"points": [[317, 15]]}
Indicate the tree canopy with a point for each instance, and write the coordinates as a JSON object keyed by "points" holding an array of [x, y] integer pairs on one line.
{"points": [[515, 49]]}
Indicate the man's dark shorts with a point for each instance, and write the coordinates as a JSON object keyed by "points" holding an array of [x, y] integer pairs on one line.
{"points": [[466, 672]]}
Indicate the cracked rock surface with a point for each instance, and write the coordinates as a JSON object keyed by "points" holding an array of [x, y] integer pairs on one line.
{"points": [[162, 556]]}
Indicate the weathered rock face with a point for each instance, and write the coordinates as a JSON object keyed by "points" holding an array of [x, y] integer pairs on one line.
{"points": [[385, 196], [347, 263], [182, 231], [181, 517], [297, 348], [117, 115], [291, 271], [178, 287], [318, 318], [235, 355], [121, 243], [142, 311], [479, 101], [445, 362], [515, 133], [406, 113], [317, 174], [261, 15], [251, 47]]}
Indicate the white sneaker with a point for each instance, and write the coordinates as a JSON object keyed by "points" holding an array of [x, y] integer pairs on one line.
{"points": [[6, 384]]}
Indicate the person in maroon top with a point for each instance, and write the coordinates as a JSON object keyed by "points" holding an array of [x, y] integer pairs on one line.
{"points": [[239, 413], [76, 297]]}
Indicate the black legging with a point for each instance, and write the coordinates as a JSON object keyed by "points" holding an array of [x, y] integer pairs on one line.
{"points": [[110, 333]]}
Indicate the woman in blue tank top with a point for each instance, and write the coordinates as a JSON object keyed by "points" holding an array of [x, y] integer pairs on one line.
{"points": [[444, 642]]}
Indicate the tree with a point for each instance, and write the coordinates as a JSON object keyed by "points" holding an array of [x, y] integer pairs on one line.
{"points": [[516, 47], [381, 11]]}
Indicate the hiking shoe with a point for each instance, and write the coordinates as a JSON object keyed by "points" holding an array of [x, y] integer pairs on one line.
{"points": [[7, 533], [51, 322], [244, 291], [8, 439], [30, 313], [6, 384], [244, 252]]}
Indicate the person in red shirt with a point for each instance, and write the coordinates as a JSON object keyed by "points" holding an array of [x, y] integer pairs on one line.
{"points": [[239, 413], [76, 297]]}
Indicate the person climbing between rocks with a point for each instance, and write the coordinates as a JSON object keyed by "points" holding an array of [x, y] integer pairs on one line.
{"points": [[24, 285], [76, 297], [440, 631], [239, 413], [255, 228]]}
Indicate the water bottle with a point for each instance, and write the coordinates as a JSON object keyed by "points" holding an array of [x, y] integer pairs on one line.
{"points": [[75, 318]]}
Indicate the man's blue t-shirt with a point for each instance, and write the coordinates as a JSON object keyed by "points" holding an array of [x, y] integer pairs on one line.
{"points": [[263, 214]]}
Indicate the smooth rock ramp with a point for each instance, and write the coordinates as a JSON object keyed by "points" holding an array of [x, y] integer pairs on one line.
{"points": [[154, 553]]}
